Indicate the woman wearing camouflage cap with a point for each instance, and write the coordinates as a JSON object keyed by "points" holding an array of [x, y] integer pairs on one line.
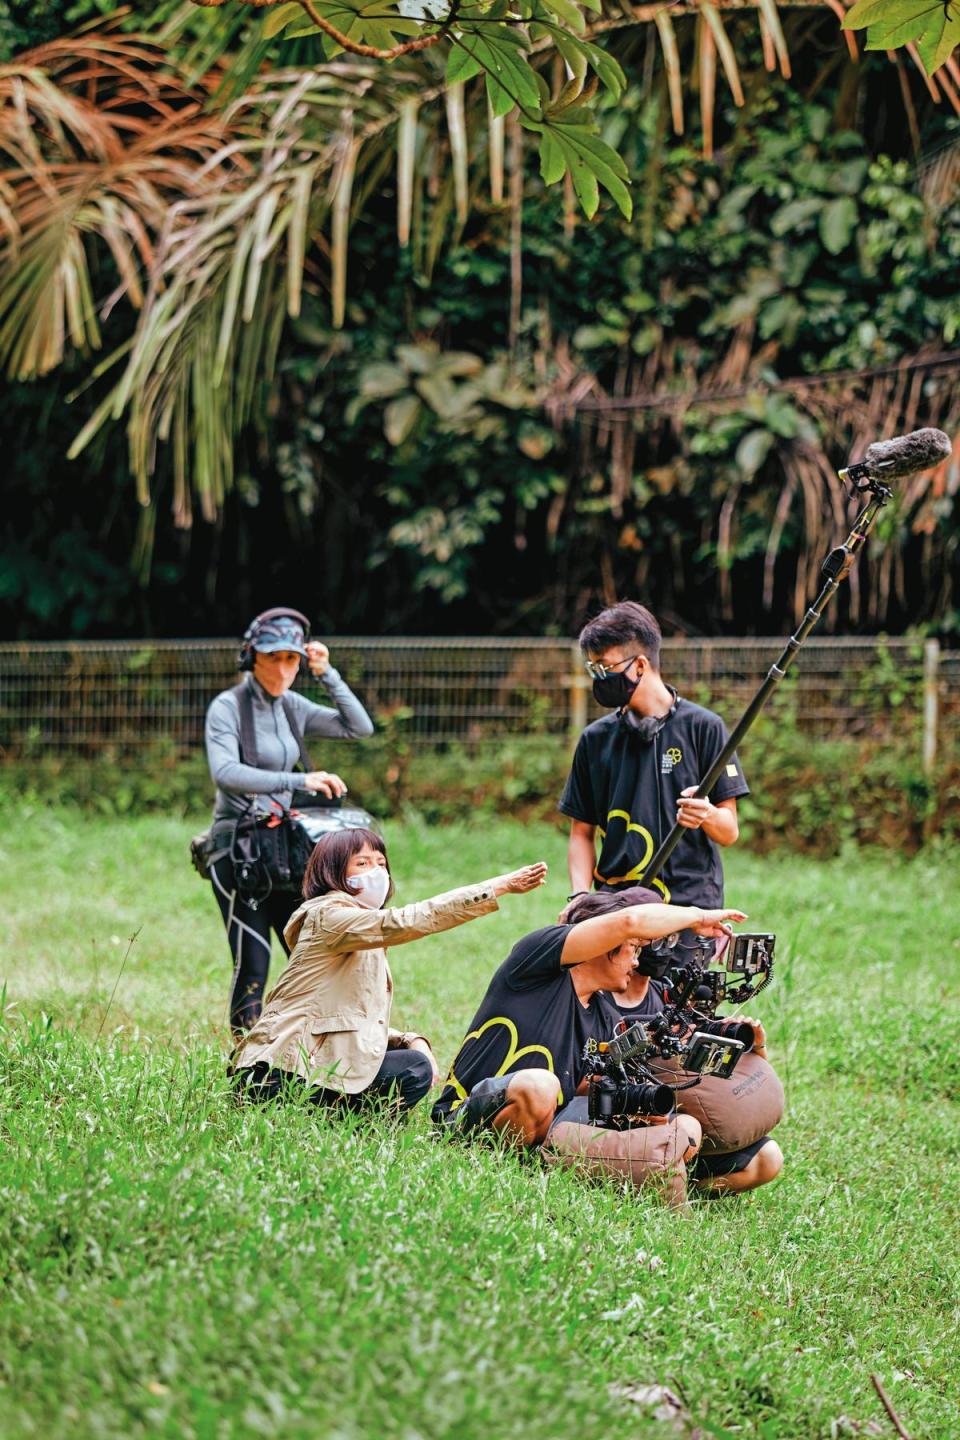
{"points": [[254, 734]]}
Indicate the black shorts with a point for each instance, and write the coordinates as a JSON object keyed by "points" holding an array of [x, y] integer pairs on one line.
{"points": [[479, 1110], [705, 1167]]}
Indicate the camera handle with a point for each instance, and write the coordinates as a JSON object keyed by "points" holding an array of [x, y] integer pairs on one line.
{"points": [[836, 567]]}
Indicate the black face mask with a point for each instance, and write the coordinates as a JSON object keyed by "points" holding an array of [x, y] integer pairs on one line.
{"points": [[657, 967], [656, 958], [614, 690]]}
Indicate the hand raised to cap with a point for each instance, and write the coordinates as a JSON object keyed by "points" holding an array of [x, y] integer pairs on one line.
{"points": [[318, 657]]}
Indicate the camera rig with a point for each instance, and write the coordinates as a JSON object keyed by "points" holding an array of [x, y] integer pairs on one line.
{"points": [[624, 1087], [742, 967]]}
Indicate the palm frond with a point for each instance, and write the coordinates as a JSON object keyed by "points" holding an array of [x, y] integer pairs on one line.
{"points": [[227, 268], [671, 63], [95, 144], [206, 219]]}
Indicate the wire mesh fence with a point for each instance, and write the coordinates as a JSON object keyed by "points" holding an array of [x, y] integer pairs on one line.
{"points": [[84, 699]]}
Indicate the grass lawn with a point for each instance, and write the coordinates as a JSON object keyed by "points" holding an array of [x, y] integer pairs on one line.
{"points": [[174, 1266]]}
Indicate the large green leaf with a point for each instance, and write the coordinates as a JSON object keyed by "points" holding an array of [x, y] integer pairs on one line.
{"points": [[571, 49], [372, 22], [279, 17], [838, 220], [608, 70], [462, 65], [400, 417], [553, 165], [589, 160], [579, 53], [932, 25], [510, 80], [568, 13], [867, 12], [936, 46]]}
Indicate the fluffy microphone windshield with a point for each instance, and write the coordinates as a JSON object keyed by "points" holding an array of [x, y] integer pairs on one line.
{"points": [[906, 454]]}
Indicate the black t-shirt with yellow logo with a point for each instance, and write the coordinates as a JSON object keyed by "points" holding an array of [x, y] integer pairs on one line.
{"points": [[629, 787], [531, 1018]]}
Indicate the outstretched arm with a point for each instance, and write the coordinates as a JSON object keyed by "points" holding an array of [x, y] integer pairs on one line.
{"points": [[341, 925], [641, 922]]}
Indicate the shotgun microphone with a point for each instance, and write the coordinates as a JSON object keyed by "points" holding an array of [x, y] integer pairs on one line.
{"points": [[904, 455]]}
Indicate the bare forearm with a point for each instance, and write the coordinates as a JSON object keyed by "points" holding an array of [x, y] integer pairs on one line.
{"points": [[650, 922], [581, 856], [642, 922], [722, 825], [718, 822]]}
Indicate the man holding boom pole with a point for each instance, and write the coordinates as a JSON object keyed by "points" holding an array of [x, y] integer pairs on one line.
{"points": [[635, 771]]}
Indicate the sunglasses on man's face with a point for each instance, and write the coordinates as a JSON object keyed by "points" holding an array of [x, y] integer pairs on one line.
{"points": [[663, 946], [599, 669]]}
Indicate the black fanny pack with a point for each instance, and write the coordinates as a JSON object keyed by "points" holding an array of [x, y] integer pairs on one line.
{"points": [[268, 854]]}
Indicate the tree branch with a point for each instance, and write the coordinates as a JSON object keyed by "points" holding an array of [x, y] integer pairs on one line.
{"points": [[355, 47]]}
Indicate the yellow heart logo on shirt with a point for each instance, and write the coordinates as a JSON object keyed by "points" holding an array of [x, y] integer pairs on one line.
{"points": [[513, 1054], [635, 875]]}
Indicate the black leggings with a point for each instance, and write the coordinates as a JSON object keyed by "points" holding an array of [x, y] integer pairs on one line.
{"points": [[404, 1076], [248, 935]]}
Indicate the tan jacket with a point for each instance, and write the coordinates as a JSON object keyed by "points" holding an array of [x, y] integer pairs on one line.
{"points": [[327, 1018]]}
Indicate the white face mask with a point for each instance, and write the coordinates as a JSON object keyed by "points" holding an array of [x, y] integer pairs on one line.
{"points": [[370, 886]]}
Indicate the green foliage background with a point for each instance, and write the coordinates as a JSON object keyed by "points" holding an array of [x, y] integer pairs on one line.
{"points": [[406, 477]]}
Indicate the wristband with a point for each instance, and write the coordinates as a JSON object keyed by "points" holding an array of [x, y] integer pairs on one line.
{"points": [[576, 893]]}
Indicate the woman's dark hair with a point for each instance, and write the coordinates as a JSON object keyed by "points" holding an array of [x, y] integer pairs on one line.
{"points": [[625, 624], [327, 867], [604, 902]]}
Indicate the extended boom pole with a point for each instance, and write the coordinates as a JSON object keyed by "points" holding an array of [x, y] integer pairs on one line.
{"points": [[836, 567]]}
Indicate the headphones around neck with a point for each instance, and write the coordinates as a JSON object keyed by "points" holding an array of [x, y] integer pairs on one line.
{"points": [[647, 727], [248, 645]]}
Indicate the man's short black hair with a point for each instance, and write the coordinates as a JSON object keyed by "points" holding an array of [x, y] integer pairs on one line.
{"points": [[604, 902], [625, 624]]}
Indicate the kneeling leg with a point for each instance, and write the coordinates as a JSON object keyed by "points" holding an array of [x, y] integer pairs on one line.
{"points": [[765, 1165], [653, 1155]]}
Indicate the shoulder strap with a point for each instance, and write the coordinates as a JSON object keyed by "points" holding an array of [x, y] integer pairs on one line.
{"points": [[290, 710], [248, 731], [248, 734]]}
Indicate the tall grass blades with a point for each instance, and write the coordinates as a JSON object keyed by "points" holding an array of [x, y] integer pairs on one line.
{"points": [[172, 1264]]}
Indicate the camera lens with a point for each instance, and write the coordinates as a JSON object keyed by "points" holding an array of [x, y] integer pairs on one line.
{"points": [[732, 1030], [649, 1100]]}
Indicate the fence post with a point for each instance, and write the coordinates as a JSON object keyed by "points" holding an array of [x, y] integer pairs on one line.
{"points": [[931, 669], [577, 683]]}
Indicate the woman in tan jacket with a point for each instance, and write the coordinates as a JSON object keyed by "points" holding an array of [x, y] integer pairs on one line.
{"points": [[326, 1024]]}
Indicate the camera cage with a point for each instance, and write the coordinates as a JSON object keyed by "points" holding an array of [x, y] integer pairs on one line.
{"points": [[686, 1030], [734, 976]]}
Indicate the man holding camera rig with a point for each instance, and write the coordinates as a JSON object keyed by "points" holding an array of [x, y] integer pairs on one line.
{"points": [[523, 1070], [734, 1112]]}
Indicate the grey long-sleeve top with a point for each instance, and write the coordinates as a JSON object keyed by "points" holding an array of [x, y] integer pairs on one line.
{"points": [[274, 777]]}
